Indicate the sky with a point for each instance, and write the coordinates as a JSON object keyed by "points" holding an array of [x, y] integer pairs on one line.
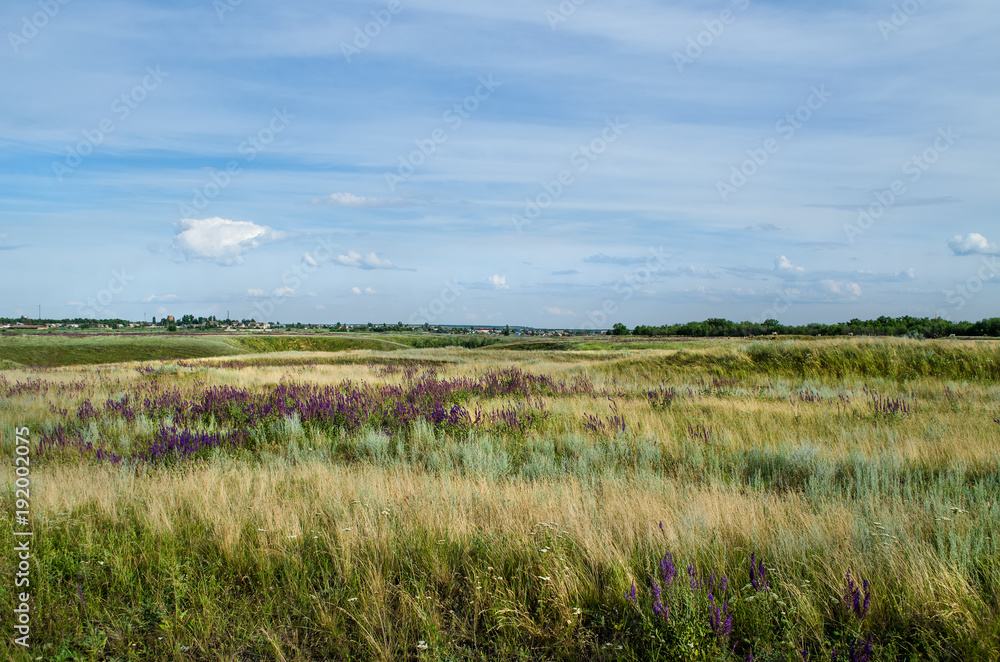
{"points": [[554, 164]]}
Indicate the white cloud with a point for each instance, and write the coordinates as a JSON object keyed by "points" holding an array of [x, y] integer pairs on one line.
{"points": [[841, 289], [284, 291], [782, 263], [367, 290], [256, 292], [356, 290], [369, 261], [555, 310], [351, 200], [973, 243], [160, 298], [221, 240], [498, 282], [320, 306]]}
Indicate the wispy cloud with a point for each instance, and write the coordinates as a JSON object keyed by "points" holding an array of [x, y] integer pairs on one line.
{"points": [[160, 298], [601, 258], [366, 261], [351, 200]]}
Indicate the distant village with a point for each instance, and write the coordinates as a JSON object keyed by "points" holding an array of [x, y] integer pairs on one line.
{"points": [[191, 323]]}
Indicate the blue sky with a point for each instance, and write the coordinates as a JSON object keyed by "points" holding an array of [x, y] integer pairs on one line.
{"points": [[551, 164]]}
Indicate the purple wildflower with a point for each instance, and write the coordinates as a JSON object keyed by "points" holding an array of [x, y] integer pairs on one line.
{"points": [[858, 598], [630, 595], [668, 569], [695, 584], [719, 619], [658, 607], [758, 573], [861, 650]]}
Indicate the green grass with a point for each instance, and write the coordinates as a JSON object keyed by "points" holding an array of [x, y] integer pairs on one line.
{"points": [[65, 350], [312, 343], [876, 358]]}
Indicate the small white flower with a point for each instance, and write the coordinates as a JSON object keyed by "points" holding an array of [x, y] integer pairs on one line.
{"points": [[422, 645]]}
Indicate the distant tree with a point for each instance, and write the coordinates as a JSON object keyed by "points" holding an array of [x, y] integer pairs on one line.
{"points": [[619, 329], [506, 330]]}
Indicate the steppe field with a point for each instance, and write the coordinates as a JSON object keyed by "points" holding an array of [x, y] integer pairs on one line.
{"points": [[378, 498]]}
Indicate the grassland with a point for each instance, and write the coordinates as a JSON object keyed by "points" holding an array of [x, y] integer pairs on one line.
{"points": [[517, 534]]}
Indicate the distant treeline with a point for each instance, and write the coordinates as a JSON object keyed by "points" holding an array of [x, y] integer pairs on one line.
{"points": [[917, 327]]}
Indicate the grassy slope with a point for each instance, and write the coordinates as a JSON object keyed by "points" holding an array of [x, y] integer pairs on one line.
{"points": [[80, 349], [63, 350], [884, 358]]}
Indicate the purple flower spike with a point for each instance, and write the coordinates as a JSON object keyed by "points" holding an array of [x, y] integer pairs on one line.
{"points": [[668, 569], [630, 595], [695, 584], [758, 573], [858, 598]]}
